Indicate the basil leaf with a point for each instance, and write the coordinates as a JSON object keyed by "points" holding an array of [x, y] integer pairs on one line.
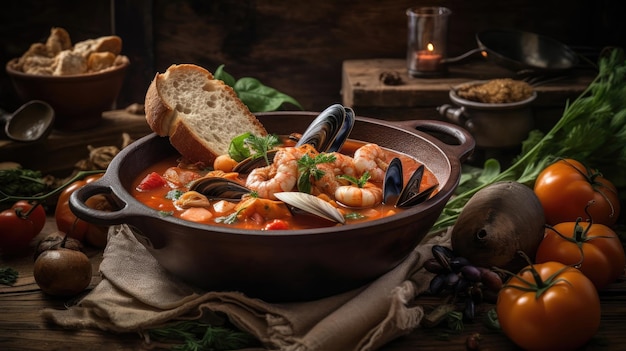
{"points": [[261, 98], [224, 76], [237, 149]]}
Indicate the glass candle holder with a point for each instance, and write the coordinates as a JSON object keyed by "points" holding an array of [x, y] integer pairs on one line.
{"points": [[427, 40]]}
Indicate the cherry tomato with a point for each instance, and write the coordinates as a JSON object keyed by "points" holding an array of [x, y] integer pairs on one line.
{"points": [[68, 223], [595, 245], [556, 309], [565, 187], [19, 225], [277, 224]]}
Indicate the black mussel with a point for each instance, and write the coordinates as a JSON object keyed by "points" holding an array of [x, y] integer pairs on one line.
{"points": [[409, 195], [217, 188], [344, 132], [323, 131], [393, 182], [443, 255], [326, 133]]}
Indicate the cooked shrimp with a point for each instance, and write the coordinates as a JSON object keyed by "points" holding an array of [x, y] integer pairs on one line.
{"points": [[266, 181], [343, 165], [179, 177], [371, 158], [353, 196]]}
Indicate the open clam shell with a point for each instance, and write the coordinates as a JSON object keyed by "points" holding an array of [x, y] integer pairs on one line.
{"points": [[311, 204]]}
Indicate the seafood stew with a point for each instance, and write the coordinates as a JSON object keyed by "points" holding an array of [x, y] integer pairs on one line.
{"points": [[165, 186]]}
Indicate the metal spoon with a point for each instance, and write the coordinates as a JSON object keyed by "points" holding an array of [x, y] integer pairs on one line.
{"points": [[31, 122]]}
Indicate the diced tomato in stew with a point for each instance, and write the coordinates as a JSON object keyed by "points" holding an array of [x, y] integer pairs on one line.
{"points": [[152, 181]]}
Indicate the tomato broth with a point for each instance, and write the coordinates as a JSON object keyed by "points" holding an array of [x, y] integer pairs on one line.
{"points": [[160, 197]]}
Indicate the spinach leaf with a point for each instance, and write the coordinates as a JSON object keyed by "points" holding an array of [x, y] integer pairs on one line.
{"points": [[255, 95]]}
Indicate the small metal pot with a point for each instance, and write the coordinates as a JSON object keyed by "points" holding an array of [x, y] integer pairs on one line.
{"points": [[287, 265], [492, 125]]}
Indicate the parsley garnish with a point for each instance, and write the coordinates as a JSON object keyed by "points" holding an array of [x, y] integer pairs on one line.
{"points": [[261, 145], [360, 182], [307, 168]]}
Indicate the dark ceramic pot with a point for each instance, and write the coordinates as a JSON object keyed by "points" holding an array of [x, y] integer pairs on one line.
{"points": [[291, 265]]}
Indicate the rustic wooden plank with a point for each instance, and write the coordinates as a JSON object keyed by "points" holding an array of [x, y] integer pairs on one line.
{"points": [[362, 86]]}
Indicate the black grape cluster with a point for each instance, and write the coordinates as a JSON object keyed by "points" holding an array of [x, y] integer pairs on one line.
{"points": [[456, 275]]}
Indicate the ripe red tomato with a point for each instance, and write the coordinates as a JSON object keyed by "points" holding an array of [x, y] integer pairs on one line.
{"points": [[19, 226], [595, 245], [566, 187], [68, 223], [560, 312]]}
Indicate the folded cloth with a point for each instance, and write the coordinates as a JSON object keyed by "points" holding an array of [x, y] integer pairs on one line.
{"points": [[136, 294]]}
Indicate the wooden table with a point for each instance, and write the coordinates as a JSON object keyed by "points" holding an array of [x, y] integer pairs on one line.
{"points": [[22, 328]]}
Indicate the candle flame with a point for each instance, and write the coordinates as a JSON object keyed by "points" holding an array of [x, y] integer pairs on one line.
{"points": [[430, 47]]}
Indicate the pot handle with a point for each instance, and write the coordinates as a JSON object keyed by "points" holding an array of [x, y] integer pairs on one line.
{"points": [[101, 186], [455, 138]]}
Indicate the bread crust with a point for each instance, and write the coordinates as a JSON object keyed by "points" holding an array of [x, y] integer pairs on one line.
{"points": [[164, 120], [158, 113]]}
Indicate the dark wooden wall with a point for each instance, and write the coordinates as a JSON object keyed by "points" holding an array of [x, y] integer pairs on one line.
{"points": [[294, 46]]}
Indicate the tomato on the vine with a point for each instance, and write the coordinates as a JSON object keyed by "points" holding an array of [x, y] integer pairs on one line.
{"points": [[549, 307], [20, 224], [565, 187], [76, 228], [593, 248]]}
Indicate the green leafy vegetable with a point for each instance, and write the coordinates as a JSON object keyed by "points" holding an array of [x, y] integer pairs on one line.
{"points": [[237, 149], [307, 168], [261, 145], [591, 130], [21, 182], [231, 218], [258, 97], [360, 182], [8, 276], [196, 336]]}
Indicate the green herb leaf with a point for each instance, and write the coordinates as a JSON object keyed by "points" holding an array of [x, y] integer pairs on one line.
{"points": [[224, 76], [261, 98], [231, 218], [360, 182], [307, 168], [354, 215], [261, 145], [255, 95], [174, 194], [196, 336], [237, 149], [8, 276], [21, 182]]}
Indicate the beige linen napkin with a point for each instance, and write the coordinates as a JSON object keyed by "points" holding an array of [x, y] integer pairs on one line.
{"points": [[137, 294]]}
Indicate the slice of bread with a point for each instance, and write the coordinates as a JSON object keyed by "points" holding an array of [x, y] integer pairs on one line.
{"points": [[200, 114]]}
